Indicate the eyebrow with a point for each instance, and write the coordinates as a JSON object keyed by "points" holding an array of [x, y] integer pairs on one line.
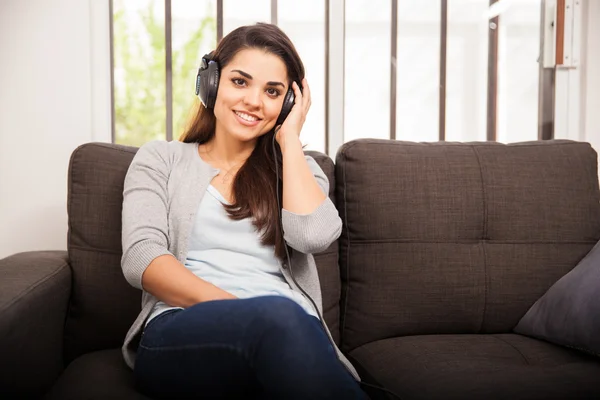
{"points": [[248, 76]]}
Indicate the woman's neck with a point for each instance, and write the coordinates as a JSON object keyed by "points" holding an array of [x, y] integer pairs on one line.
{"points": [[225, 150]]}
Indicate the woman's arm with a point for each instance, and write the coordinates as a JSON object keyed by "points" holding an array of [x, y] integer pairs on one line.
{"points": [[147, 262], [301, 192], [310, 220], [170, 281]]}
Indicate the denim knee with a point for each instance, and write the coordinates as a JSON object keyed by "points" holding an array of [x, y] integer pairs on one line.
{"points": [[282, 313]]}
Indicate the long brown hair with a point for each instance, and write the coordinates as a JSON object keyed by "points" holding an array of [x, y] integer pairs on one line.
{"points": [[255, 187]]}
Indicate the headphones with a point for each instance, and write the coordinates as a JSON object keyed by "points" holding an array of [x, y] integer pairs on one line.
{"points": [[207, 84]]}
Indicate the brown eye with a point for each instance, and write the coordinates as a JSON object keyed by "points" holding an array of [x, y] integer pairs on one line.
{"points": [[238, 82], [273, 92]]}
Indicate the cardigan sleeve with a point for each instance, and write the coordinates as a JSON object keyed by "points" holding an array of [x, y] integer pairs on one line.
{"points": [[314, 232], [144, 232]]}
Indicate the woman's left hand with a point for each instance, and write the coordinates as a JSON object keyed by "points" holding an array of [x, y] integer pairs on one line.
{"points": [[291, 127]]}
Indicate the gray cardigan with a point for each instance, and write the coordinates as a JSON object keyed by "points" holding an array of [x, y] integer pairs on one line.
{"points": [[163, 188]]}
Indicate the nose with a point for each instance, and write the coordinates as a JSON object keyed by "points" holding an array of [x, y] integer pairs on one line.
{"points": [[252, 98]]}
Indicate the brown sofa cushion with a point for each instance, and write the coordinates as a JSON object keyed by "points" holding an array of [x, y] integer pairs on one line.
{"points": [[96, 376], [495, 366], [103, 305], [458, 237]]}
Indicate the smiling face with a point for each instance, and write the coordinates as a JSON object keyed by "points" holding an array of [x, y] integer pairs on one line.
{"points": [[252, 87]]}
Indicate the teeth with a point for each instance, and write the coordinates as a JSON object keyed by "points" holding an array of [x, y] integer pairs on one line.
{"points": [[247, 117]]}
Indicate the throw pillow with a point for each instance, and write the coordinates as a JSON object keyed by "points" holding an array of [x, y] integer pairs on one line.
{"points": [[568, 314]]}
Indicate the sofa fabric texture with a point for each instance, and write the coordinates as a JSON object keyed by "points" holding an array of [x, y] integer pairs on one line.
{"points": [[448, 238], [494, 366], [34, 291]]}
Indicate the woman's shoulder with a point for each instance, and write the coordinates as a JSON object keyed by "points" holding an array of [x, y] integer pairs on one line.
{"points": [[162, 150], [172, 146]]}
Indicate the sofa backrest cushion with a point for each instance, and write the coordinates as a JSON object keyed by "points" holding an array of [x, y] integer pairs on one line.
{"points": [[443, 238], [103, 305]]}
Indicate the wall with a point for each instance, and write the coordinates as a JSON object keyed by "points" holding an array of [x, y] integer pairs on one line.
{"points": [[45, 113]]}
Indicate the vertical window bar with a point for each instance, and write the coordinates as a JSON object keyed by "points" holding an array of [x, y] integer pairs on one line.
{"points": [[546, 104], [274, 12], [492, 94], [443, 60], [169, 70], [219, 20], [393, 69], [546, 83], [326, 59], [112, 71]]}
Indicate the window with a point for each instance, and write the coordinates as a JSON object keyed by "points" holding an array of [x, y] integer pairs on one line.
{"points": [[367, 69], [518, 52], [418, 70], [243, 12], [457, 70], [467, 85], [146, 107], [193, 33], [139, 71], [304, 23]]}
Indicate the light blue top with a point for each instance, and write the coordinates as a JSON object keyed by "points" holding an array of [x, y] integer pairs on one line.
{"points": [[229, 255]]}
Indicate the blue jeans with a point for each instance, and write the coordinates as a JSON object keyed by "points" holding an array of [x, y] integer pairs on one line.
{"points": [[258, 348]]}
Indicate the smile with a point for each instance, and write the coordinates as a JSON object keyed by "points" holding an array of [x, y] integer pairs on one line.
{"points": [[246, 119]]}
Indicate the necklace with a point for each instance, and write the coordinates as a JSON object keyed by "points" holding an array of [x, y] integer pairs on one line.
{"points": [[226, 176]]}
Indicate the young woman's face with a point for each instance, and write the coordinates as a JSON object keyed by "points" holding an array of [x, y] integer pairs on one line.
{"points": [[250, 96]]}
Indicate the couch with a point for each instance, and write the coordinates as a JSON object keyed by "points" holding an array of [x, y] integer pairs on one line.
{"points": [[445, 247]]}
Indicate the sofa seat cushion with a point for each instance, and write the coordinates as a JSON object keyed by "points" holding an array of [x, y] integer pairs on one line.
{"points": [[98, 375], [499, 366]]}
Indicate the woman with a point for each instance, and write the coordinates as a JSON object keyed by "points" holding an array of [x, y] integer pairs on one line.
{"points": [[208, 225]]}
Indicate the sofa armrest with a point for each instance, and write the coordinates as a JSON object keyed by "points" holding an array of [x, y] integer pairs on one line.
{"points": [[34, 292]]}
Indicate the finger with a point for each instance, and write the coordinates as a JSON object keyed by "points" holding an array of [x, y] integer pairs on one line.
{"points": [[306, 97], [297, 93]]}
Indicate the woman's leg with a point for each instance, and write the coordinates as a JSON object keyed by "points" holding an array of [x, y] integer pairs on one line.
{"points": [[236, 348], [293, 357], [193, 353]]}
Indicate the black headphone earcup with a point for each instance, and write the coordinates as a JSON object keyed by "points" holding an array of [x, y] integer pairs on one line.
{"points": [[207, 84], [288, 103]]}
